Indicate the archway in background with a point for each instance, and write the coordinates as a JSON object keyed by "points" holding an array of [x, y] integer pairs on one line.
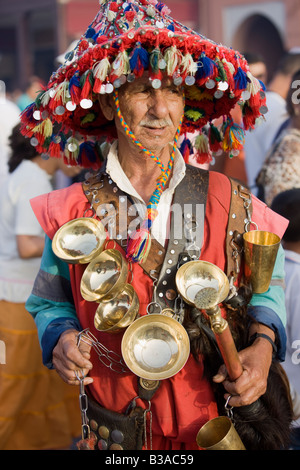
{"points": [[257, 34]]}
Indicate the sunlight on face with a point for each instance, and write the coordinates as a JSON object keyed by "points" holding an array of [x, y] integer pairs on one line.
{"points": [[153, 115]]}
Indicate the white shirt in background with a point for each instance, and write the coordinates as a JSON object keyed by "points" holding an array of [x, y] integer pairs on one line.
{"points": [[17, 218]]}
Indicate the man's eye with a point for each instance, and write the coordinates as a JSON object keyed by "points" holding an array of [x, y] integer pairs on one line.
{"points": [[175, 90], [143, 90]]}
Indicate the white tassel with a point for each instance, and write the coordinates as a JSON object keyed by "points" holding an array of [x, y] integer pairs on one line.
{"points": [[62, 92], [101, 70], [188, 65], [45, 98], [253, 86], [230, 66], [173, 59], [121, 64]]}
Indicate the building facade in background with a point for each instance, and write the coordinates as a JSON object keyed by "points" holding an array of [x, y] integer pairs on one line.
{"points": [[34, 32]]}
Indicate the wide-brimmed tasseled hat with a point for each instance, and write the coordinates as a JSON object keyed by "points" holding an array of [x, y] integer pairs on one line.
{"points": [[125, 39]]}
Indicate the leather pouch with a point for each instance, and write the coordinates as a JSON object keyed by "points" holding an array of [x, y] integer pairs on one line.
{"points": [[116, 431]]}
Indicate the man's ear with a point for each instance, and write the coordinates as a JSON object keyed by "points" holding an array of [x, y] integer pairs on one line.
{"points": [[107, 106]]}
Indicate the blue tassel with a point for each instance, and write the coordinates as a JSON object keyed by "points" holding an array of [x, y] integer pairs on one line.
{"points": [[75, 88], [240, 79], [186, 149], [28, 111], [90, 33], [87, 155], [139, 60], [262, 85], [206, 67]]}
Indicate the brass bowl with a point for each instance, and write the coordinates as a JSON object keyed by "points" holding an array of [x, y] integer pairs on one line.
{"points": [[79, 240], [196, 276], [103, 276], [116, 313], [155, 347]]}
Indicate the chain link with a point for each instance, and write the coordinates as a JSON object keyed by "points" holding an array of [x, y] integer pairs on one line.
{"points": [[83, 404], [107, 357]]}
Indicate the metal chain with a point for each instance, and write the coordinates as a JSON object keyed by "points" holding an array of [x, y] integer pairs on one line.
{"points": [[83, 403], [107, 357]]}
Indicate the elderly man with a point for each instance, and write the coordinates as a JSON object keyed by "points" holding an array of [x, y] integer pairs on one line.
{"points": [[144, 100]]}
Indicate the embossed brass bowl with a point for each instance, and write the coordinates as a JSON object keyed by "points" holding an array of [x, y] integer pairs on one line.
{"points": [[115, 313], [155, 347], [79, 240], [203, 283], [104, 275]]}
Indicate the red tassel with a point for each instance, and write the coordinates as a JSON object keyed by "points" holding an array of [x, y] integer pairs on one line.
{"points": [[87, 89], [55, 150]]}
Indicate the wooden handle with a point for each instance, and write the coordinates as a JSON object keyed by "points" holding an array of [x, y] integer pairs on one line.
{"points": [[229, 353]]}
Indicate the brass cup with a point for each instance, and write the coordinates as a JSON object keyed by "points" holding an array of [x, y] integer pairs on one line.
{"points": [[260, 250], [155, 347], [219, 434], [79, 240], [115, 313], [104, 276], [196, 277]]}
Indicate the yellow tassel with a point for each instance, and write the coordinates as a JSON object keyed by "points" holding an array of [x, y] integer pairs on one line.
{"points": [[194, 93], [201, 143], [71, 150], [45, 128]]}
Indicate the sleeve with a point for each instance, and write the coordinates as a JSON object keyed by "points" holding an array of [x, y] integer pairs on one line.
{"points": [[51, 302], [269, 308], [25, 221]]}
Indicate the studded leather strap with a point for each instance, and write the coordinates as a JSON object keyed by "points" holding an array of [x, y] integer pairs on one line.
{"points": [[236, 227]]}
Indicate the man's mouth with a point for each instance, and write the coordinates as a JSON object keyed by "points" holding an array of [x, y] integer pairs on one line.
{"points": [[157, 124]]}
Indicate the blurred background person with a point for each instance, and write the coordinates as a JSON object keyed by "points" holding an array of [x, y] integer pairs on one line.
{"points": [[37, 410], [281, 168], [9, 117], [34, 86], [259, 141], [287, 204]]}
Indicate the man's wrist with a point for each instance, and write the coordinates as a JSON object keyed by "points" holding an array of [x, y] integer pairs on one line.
{"points": [[256, 336]]}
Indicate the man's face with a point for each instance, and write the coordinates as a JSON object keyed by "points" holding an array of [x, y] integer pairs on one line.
{"points": [[152, 115], [259, 71]]}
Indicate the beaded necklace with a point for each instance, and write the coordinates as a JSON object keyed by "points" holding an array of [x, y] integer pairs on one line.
{"points": [[139, 242]]}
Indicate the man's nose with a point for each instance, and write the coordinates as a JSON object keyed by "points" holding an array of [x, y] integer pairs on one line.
{"points": [[158, 104]]}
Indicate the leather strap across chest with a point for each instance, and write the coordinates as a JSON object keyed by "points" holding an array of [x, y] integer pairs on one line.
{"points": [[118, 214], [116, 211]]}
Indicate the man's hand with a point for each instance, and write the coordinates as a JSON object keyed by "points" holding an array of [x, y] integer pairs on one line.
{"points": [[69, 359], [256, 361]]}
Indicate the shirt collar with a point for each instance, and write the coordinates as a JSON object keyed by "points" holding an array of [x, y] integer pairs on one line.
{"points": [[115, 171]]}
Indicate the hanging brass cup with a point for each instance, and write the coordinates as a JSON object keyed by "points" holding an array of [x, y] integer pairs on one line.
{"points": [[104, 276], [204, 285], [115, 313], [260, 250], [219, 434], [155, 347], [79, 240]]}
